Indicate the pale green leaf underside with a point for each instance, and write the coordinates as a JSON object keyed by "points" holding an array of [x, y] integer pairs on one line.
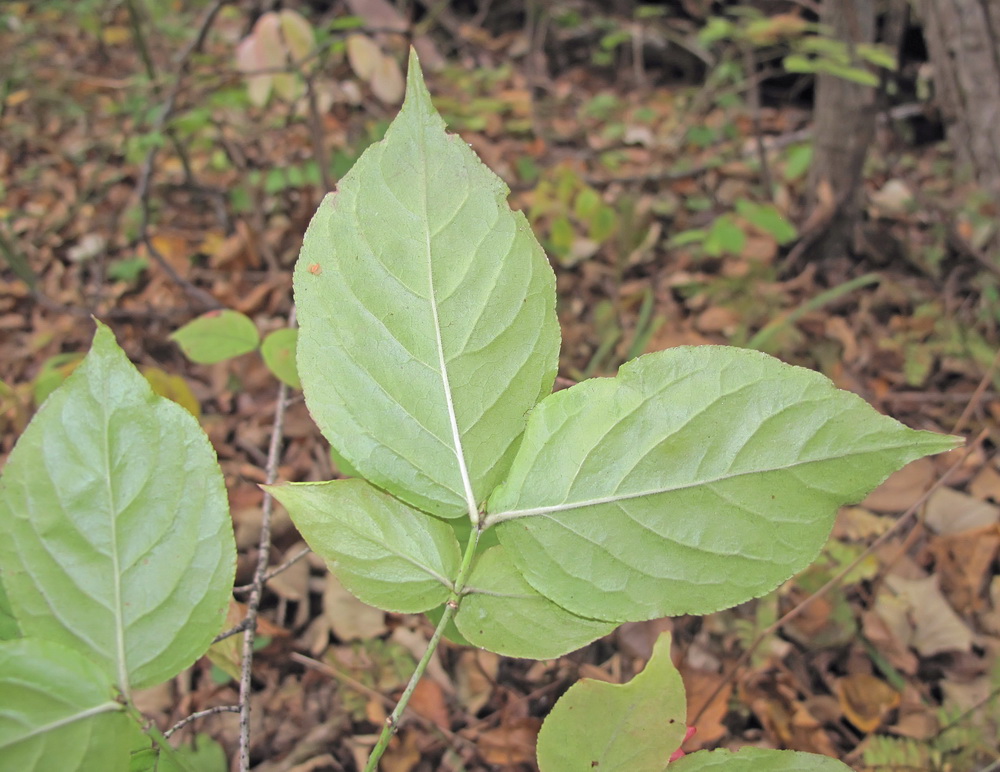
{"points": [[115, 536], [8, 625], [387, 554], [504, 614], [427, 313], [698, 478], [217, 336], [632, 727], [756, 760], [57, 711]]}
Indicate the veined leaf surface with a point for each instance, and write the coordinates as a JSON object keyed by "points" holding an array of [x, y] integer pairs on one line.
{"points": [[427, 313], [756, 760], [506, 615], [58, 711], [386, 553], [696, 479], [631, 727], [115, 535]]}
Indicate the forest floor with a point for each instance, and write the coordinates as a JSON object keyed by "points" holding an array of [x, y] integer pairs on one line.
{"points": [[663, 227]]}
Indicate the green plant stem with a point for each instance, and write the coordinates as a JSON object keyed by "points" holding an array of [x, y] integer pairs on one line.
{"points": [[768, 331], [450, 607]]}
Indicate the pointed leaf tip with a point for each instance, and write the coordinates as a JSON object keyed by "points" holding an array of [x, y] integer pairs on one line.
{"points": [[417, 96]]}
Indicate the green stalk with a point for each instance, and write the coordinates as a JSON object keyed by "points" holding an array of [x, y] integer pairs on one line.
{"points": [[450, 607], [764, 335]]}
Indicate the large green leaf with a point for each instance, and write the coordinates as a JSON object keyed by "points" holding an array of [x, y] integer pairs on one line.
{"points": [[427, 313], [756, 760], [115, 536], [698, 478], [58, 711], [503, 613], [387, 554], [632, 727]]}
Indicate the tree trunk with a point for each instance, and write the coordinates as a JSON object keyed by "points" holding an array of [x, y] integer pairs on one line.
{"points": [[963, 39], [844, 118]]}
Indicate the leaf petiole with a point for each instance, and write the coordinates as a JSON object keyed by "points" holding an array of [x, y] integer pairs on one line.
{"points": [[450, 607]]}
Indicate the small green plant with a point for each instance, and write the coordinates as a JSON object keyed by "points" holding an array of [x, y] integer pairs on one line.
{"points": [[524, 522], [696, 479], [220, 335]]}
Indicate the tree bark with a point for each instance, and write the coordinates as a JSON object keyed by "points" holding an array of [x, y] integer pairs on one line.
{"points": [[963, 40], [844, 116]]}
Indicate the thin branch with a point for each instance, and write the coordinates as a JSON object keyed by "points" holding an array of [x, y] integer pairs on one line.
{"points": [[146, 172], [837, 578], [231, 632], [263, 555], [276, 570], [201, 714]]}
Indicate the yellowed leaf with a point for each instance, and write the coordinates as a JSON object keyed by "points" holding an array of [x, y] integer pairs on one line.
{"points": [[173, 387], [115, 35], [866, 700]]}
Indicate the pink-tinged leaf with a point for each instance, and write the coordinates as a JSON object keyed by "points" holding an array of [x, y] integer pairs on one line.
{"points": [[248, 59]]}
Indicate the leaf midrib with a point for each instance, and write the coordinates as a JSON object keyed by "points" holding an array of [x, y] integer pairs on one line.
{"points": [[500, 517], [470, 498]]}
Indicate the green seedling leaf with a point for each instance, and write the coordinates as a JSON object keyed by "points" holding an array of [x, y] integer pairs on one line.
{"points": [[427, 313], [724, 237], [58, 711], [767, 218], [618, 727], [115, 536], [798, 158], [217, 336], [756, 760], [387, 554], [696, 479], [278, 351], [504, 614]]}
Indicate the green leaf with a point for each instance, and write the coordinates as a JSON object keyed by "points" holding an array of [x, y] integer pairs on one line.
{"points": [[757, 760], [427, 313], [278, 350], [724, 237], [8, 625], [203, 755], [58, 711], [633, 726], [696, 479], [115, 536], [387, 554], [504, 614], [768, 219], [217, 336]]}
